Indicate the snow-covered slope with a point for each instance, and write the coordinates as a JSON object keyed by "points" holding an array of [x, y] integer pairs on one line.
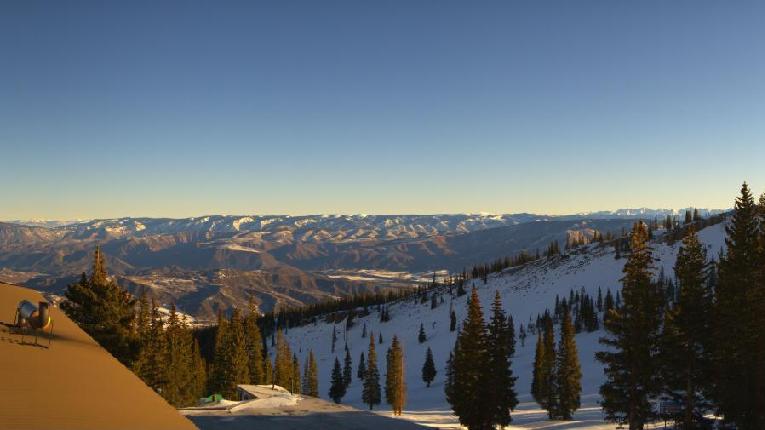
{"points": [[525, 293]]}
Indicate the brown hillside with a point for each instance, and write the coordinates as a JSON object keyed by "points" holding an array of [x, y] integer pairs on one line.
{"points": [[75, 384]]}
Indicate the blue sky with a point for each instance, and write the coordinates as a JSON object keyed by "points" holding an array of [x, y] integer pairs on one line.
{"points": [[187, 108]]}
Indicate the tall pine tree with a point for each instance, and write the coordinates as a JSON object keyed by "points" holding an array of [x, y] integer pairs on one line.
{"points": [[395, 384], [150, 365], [568, 371], [254, 346], [295, 378], [501, 344], [199, 367], [632, 362], [371, 388], [449, 381], [740, 314], [283, 369], [240, 361], [362, 370], [421, 336], [538, 378], [543, 385], [685, 342], [429, 368], [337, 384], [348, 368], [311, 376], [469, 378], [103, 310]]}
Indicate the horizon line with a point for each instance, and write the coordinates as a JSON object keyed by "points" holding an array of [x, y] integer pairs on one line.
{"points": [[357, 214]]}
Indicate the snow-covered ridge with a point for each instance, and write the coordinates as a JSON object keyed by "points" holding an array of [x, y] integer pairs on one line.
{"points": [[650, 213], [313, 227], [337, 227], [46, 223]]}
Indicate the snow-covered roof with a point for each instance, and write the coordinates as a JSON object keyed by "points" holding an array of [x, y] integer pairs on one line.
{"points": [[264, 391]]}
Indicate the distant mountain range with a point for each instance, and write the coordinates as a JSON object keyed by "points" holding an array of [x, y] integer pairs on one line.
{"points": [[650, 213], [475, 219], [208, 263]]}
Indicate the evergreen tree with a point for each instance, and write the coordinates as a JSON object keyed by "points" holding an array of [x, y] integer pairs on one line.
{"points": [[269, 372], [334, 338], [685, 352], [103, 310], [362, 367], [200, 371], [395, 385], [510, 336], [311, 376], [337, 384], [501, 346], [283, 363], [371, 389], [668, 223], [421, 336], [141, 365], [429, 368], [469, 379], [199, 368], [177, 386], [99, 276], [305, 387], [349, 320], [452, 320], [143, 320], [600, 300], [461, 289], [608, 304], [254, 343], [740, 318], [348, 368], [569, 372], [632, 363], [295, 378], [240, 360], [221, 378], [449, 381], [185, 367], [543, 385], [156, 369]]}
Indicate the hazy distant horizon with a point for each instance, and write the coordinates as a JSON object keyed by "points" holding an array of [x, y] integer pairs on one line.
{"points": [[677, 211]]}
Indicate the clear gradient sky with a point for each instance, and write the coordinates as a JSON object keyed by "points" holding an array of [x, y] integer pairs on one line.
{"points": [[163, 108]]}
